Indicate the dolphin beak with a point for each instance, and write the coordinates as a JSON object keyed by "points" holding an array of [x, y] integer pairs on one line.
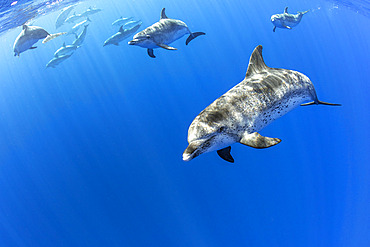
{"points": [[191, 151], [133, 42]]}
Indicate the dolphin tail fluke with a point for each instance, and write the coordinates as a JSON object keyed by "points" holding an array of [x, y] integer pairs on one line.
{"points": [[193, 36], [320, 103], [52, 36]]}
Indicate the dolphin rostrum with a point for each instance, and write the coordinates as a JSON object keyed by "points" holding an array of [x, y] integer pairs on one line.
{"points": [[286, 20], [163, 33], [29, 36], [263, 96]]}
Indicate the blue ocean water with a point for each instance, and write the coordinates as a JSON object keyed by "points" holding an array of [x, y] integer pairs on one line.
{"points": [[91, 151]]}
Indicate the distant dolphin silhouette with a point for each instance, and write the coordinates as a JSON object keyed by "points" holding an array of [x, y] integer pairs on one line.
{"points": [[29, 36], [121, 35], [287, 20], [263, 96], [163, 33], [63, 16]]}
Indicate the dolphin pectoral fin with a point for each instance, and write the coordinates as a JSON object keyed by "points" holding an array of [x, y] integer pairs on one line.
{"points": [[33, 47], [225, 154], [320, 103], [151, 53], [116, 44], [193, 36], [274, 29], [167, 47], [255, 140]]}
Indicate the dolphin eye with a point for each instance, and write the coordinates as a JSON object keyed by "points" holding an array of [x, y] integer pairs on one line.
{"points": [[147, 37]]}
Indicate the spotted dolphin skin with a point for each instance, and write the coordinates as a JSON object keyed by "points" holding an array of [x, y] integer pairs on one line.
{"points": [[263, 96], [287, 20], [163, 33], [29, 36]]}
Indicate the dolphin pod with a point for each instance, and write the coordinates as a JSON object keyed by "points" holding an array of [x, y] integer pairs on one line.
{"points": [[263, 96]]}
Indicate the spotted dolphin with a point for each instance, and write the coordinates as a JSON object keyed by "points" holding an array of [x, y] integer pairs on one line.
{"points": [[263, 96], [80, 38], [63, 16], [57, 60], [121, 21], [163, 33], [286, 20], [121, 35], [29, 36]]}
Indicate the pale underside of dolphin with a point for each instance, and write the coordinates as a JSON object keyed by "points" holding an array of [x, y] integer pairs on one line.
{"points": [[163, 33], [263, 96], [286, 20]]}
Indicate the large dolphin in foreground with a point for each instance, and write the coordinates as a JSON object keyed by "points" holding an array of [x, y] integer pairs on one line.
{"points": [[263, 96], [163, 33], [29, 36], [287, 20]]}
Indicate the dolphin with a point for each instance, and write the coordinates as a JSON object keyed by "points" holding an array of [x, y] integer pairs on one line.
{"points": [[63, 16], [121, 21], [162, 33], [57, 60], [29, 36], [90, 11], [80, 38], [73, 18], [121, 35], [132, 23], [77, 27], [65, 50], [263, 96], [286, 20]]}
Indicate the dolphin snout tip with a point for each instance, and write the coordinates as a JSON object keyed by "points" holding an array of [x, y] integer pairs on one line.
{"points": [[186, 157], [131, 42]]}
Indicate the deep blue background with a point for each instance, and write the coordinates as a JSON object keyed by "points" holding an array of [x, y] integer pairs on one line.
{"points": [[91, 152]]}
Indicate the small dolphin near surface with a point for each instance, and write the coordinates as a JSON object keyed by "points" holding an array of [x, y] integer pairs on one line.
{"points": [[63, 16], [73, 18], [29, 36], [121, 21], [65, 50], [77, 27], [163, 33], [90, 11], [132, 23], [57, 60], [287, 20], [263, 96], [121, 35], [80, 38]]}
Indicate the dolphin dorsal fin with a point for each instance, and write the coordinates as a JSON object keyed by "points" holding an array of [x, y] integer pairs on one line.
{"points": [[24, 27], [163, 14], [256, 62], [286, 10], [121, 30], [64, 44]]}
